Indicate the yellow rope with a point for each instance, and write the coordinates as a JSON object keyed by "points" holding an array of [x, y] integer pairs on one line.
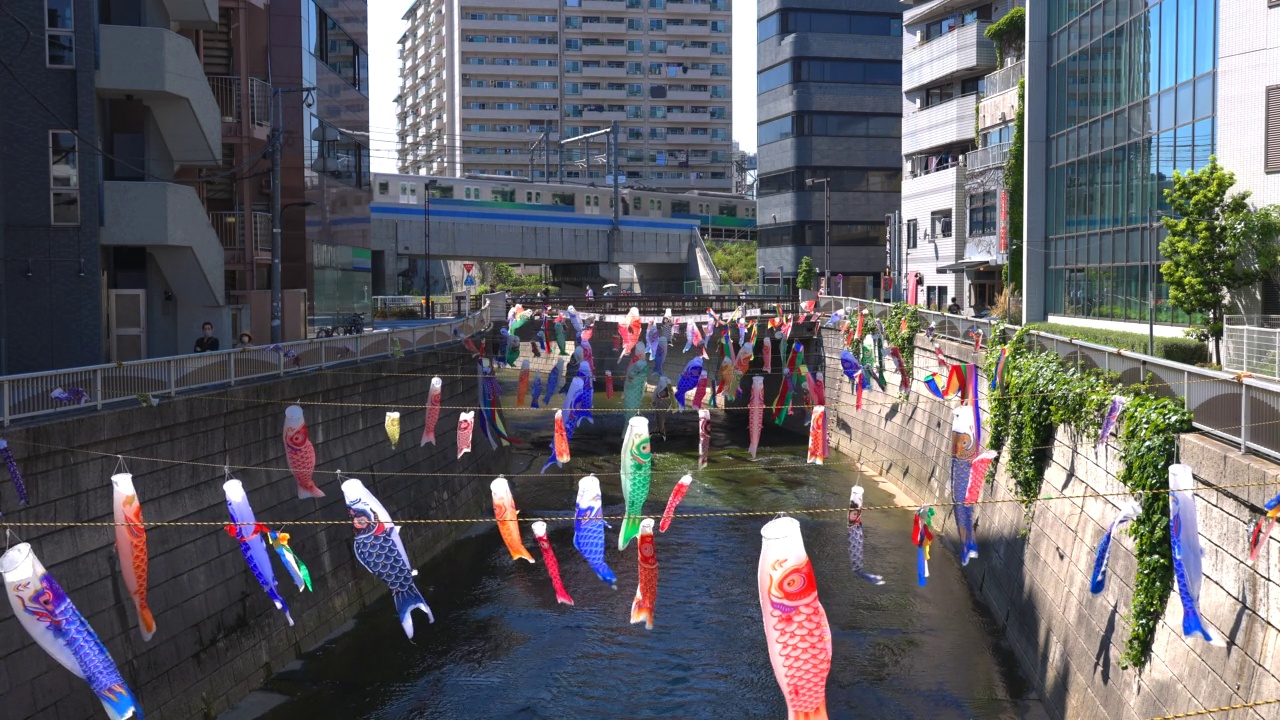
{"points": [[1212, 711]]}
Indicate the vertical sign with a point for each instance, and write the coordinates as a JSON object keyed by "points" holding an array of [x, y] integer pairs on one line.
{"points": [[1004, 220], [913, 287], [470, 279]]}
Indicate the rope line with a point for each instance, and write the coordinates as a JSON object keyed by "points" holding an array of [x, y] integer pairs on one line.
{"points": [[570, 518], [1213, 711]]}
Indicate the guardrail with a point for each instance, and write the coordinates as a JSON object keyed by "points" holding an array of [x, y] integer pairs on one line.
{"points": [[1242, 410], [1251, 345], [33, 394], [1002, 80], [988, 156]]}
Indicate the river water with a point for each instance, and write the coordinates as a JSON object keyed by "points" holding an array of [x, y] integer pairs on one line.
{"points": [[501, 647]]}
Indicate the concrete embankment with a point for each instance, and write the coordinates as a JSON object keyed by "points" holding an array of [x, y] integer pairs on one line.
{"points": [[1033, 573], [218, 634]]}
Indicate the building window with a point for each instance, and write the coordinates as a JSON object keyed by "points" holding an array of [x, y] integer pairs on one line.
{"points": [[940, 221], [983, 219], [1272, 150], [336, 49], [913, 234], [60, 35], [64, 178]]}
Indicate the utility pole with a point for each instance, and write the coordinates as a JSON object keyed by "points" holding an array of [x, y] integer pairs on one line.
{"points": [[826, 228], [277, 140], [426, 239]]}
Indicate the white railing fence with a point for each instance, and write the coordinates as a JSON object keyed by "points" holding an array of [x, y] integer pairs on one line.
{"points": [[32, 395], [1242, 410], [1252, 344]]}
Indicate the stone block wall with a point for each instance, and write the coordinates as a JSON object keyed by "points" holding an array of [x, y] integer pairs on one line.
{"points": [[1034, 570], [218, 635]]}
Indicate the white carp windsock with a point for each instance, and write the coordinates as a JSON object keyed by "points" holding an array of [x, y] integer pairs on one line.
{"points": [[704, 437], [755, 413], [795, 623], [433, 412], [300, 453], [52, 620], [131, 547], [392, 426], [466, 425], [381, 551], [244, 528], [1184, 533]]}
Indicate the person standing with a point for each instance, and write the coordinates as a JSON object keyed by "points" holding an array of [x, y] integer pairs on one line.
{"points": [[206, 342], [954, 307], [590, 293]]}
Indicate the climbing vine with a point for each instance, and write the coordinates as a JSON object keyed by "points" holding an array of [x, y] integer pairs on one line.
{"points": [[1013, 172], [900, 329], [1043, 395]]}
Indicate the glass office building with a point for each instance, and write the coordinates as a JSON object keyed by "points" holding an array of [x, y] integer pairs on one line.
{"points": [[1130, 100]]}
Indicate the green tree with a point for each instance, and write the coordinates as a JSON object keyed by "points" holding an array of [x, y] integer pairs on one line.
{"points": [[1210, 237], [736, 261], [805, 274]]}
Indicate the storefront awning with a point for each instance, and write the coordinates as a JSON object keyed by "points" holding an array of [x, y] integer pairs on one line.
{"points": [[964, 265]]}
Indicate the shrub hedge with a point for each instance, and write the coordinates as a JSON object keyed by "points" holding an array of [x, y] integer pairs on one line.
{"points": [[1183, 350]]}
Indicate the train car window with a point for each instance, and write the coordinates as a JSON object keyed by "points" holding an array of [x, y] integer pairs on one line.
{"points": [[503, 194], [650, 203], [563, 199], [728, 211], [659, 205], [383, 187], [442, 191], [537, 197], [637, 204], [467, 194], [528, 196], [680, 207]]}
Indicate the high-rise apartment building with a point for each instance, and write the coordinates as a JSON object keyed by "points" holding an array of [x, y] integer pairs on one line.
{"points": [[136, 203], [483, 82], [946, 59], [830, 118]]}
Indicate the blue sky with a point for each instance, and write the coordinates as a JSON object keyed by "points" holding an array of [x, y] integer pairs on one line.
{"points": [[385, 28]]}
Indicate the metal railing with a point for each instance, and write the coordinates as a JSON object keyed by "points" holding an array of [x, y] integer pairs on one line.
{"points": [[1252, 345], [1242, 410], [226, 90], [1002, 80], [986, 157], [93, 388], [235, 233]]}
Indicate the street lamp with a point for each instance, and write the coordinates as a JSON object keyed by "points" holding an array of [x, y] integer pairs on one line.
{"points": [[1151, 277], [426, 239], [826, 226]]}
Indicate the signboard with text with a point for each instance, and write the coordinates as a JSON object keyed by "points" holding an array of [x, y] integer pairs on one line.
{"points": [[1004, 220]]}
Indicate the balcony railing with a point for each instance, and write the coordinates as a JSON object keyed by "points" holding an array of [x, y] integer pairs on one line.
{"points": [[226, 90], [962, 50], [986, 157], [1003, 80], [238, 234]]}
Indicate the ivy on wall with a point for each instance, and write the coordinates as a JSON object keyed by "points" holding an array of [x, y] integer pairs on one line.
{"points": [[1013, 172], [903, 335], [1042, 395]]}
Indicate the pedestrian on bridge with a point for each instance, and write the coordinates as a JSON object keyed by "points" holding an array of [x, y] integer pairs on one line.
{"points": [[206, 342], [590, 293]]}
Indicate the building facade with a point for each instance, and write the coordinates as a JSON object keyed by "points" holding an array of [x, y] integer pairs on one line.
{"points": [[148, 126], [946, 59], [828, 107], [1119, 96], [491, 87]]}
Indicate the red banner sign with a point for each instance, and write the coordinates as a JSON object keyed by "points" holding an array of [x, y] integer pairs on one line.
{"points": [[1004, 220]]}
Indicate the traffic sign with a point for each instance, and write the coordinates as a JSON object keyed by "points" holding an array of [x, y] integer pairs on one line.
{"points": [[469, 280], [468, 267]]}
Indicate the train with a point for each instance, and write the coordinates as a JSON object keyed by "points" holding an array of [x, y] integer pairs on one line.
{"points": [[721, 216]]}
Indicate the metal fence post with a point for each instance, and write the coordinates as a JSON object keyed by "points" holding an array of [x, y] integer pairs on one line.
{"points": [[324, 351], [231, 369], [97, 387], [1244, 417], [280, 363], [6, 403], [1186, 389], [173, 378]]}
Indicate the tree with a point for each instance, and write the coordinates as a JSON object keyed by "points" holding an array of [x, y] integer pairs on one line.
{"points": [[805, 274], [1211, 235], [736, 261]]}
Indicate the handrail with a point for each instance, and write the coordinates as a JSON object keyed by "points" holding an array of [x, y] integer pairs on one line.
{"points": [[1235, 407], [31, 394]]}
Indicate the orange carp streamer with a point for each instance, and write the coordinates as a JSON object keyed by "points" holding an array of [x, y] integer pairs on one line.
{"points": [[677, 494], [504, 509], [131, 546]]}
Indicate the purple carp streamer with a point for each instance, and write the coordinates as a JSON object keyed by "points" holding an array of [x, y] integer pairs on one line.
{"points": [[1109, 420], [755, 413], [15, 476], [245, 529], [381, 551], [1128, 512], [1184, 533], [52, 620], [588, 529], [964, 450]]}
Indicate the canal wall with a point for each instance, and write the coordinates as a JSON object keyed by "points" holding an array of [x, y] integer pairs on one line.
{"points": [[1033, 573], [218, 634]]}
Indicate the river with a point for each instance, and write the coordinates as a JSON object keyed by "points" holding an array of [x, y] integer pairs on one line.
{"points": [[501, 647]]}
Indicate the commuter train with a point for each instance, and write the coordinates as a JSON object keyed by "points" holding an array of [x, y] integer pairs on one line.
{"points": [[720, 215]]}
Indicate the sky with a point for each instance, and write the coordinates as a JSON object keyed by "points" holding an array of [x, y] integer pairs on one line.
{"points": [[386, 27]]}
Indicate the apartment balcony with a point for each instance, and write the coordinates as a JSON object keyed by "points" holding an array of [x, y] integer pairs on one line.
{"points": [[160, 68], [536, 71], [698, 31], [608, 51], [170, 222], [600, 28], [537, 93], [508, 49], [616, 7], [606, 72], [193, 14], [513, 116], [245, 236], [693, 8], [685, 139], [604, 116], [230, 94], [700, 95], [990, 156], [943, 124], [506, 25], [599, 95], [963, 51], [999, 101], [688, 52]]}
